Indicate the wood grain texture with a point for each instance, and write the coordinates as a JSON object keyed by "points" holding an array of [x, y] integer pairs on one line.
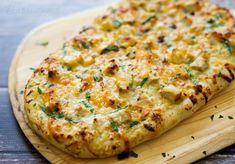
{"points": [[210, 136]]}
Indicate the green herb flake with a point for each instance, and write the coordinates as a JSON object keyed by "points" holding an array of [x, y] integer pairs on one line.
{"points": [[39, 90], [148, 19], [92, 110], [194, 81], [164, 155], [133, 154], [211, 21], [21, 92], [78, 76], [228, 46], [118, 109], [69, 118], [212, 117], [230, 117], [54, 114], [59, 115], [43, 108], [84, 44], [88, 96], [134, 123], [44, 43], [204, 152], [175, 76], [86, 105], [143, 82], [117, 23], [114, 126], [162, 86], [31, 68], [97, 78], [110, 48]]}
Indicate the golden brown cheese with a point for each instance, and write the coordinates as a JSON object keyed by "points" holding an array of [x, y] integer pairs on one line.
{"points": [[137, 71]]}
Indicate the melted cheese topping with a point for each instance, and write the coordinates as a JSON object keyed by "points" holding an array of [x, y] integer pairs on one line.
{"points": [[140, 57]]}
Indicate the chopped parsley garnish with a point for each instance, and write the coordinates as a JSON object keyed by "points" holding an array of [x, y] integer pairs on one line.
{"points": [[117, 23], [110, 48], [143, 82], [85, 71], [59, 115], [88, 96], [134, 123], [128, 54], [84, 44], [212, 117], [230, 117], [118, 109], [78, 76], [175, 76], [148, 19], [229, 46], [194, 81], [31, 68], [54, 114], [133, 154], [114, 126], [39, 90], [191, 76], [21, 92], [162, 86], [97, 78], [87, 105], [164, 155], [69, 118], [44, 44]]}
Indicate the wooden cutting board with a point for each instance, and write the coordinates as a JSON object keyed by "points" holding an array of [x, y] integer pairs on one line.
{"points": [[191, 140]]}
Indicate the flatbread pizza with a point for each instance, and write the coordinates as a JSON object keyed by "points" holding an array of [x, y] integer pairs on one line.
{"points": [[134, 73]]}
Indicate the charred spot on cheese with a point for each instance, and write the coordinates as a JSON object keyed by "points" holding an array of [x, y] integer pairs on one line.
{"points": [[225, 77], [198, 88], [227, 66], [111, 68], [193, 99], [161, 39], [173, 26], [205, 96], [149, 127], [52, 73]]}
